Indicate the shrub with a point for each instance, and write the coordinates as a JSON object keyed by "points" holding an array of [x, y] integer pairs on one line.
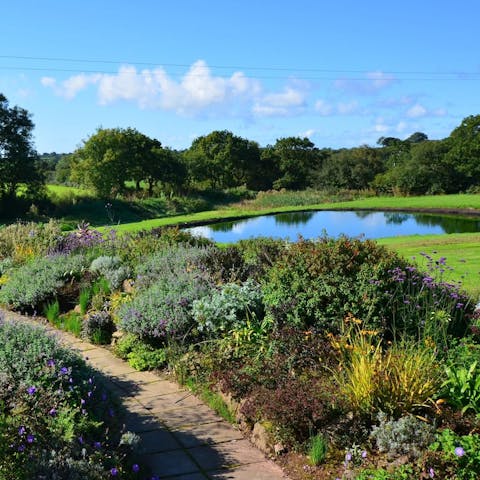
{"points": [[112, 269], [23, 241], [98, 327], [83, 238], [50, 274], [163, 309], [168, 262], [406, 436], [228, 307], [54, 415], [146, 357], [317, 283], [295, 407]]}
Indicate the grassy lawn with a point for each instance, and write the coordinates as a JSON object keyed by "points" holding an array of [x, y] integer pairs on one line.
{"points": [[462, 251], [63, 190]]}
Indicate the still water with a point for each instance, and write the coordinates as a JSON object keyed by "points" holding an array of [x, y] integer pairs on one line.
{"points": [[335, 223]]}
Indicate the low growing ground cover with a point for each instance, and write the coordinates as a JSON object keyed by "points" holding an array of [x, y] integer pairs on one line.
{"points": [[353, 361]]}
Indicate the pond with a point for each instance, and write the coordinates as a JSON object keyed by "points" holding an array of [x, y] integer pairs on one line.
{"points": [[335, 223]]}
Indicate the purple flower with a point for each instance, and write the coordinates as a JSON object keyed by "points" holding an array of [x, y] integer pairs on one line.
{"points": [[30, 438], [80, 440], [348, 457], [459, 452], [113, 472], [51, 362], [431, 472], [364, 454], [64, 371], [82, 401], [21, 447], [135, 468], [22, 430], [104, 396], [31, 390], [52, 412], [97, 445]]}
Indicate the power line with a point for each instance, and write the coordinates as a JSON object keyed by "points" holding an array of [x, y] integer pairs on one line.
{"points": [[460, 75], [177, 75]]}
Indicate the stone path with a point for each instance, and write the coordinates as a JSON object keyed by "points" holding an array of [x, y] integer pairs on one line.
{"points": [[182, 438]]}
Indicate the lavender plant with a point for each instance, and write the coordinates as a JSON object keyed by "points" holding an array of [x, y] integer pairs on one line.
{"points": [[39, 280]]}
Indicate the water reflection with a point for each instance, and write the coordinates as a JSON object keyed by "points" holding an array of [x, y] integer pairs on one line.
{"points": [[293, 218], [369, 224]]}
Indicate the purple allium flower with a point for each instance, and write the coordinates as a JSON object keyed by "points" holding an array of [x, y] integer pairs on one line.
{"points": [[52, 412], [22, 430], [459, 452], [135, 468], [113, 472], [30, 438], [31, 390]]}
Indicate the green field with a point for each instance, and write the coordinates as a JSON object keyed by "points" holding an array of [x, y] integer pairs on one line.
{"points": [[462, 251], [63, 190]]}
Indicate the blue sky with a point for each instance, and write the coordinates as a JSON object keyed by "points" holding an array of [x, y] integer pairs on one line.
{"points": [[341, 72]]}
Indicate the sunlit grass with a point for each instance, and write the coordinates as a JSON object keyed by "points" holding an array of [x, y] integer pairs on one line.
{"points": [[462, 251]]}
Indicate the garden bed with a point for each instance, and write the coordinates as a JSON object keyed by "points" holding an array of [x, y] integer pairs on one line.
{"points": [[338, 357]]}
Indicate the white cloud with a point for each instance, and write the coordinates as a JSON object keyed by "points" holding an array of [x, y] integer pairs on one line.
{"points": [[70, 87], [401, 126], [323, 108], [196, 91], [308, 133], [373, 83], [347, 108], [341, 108], [288, 102], [419, 110], [416, 111]]}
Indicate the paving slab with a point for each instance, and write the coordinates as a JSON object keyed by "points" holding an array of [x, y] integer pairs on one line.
{"points": [[254, 471], [157, 441], [165, 403], [165, 464], [188, 417], [207, 434], [225, 455]]}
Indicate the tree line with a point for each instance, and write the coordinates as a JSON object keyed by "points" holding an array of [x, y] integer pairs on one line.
{"points": [[116, 160]]}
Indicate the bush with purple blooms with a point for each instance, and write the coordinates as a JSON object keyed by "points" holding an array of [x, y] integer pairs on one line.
{"points": [[56, 420], [83, 238]]}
